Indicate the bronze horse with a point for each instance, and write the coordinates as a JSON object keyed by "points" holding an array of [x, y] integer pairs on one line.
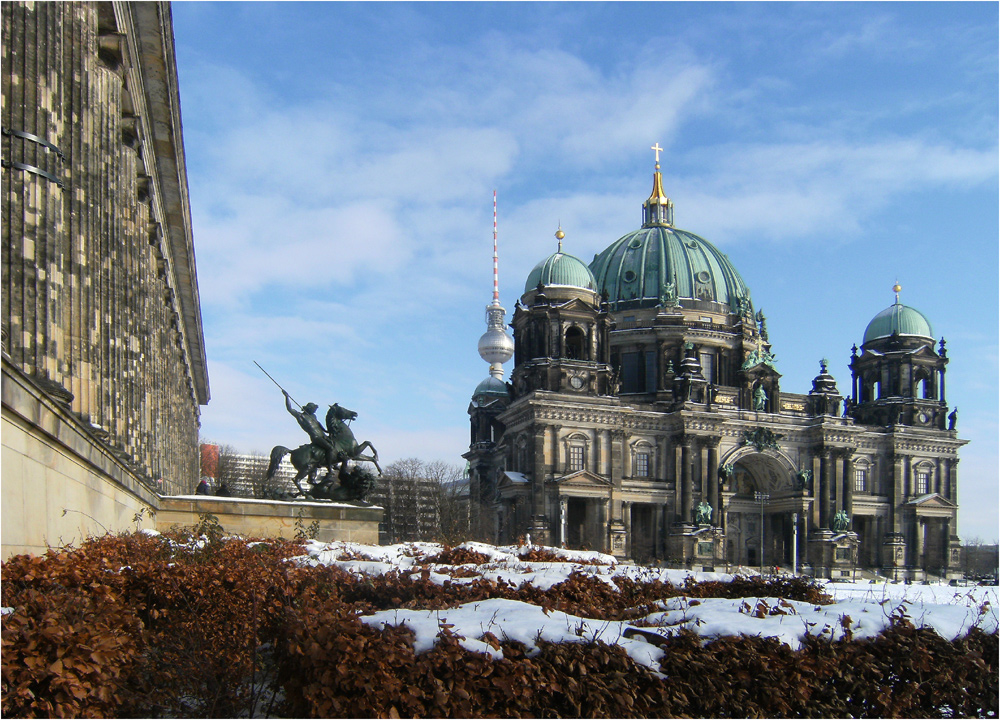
{"points": [[308, 459]]}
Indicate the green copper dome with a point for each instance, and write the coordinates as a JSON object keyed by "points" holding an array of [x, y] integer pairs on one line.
{"points": [[637, 270], [491, 387], [900, 319], [560, 269]]}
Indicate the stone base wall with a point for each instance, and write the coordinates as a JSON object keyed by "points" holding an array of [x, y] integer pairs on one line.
{"points": [[60, 484], [273, 518]]}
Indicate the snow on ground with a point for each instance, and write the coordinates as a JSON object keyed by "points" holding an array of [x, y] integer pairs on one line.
{"points": [[864, 608]]}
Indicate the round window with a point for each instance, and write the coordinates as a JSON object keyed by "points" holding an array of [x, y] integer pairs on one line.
{"points": [[635, 242], [629, 276], [703, 276]]}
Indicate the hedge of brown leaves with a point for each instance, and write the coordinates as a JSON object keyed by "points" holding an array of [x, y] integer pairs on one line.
{"points": [[132, 625]]}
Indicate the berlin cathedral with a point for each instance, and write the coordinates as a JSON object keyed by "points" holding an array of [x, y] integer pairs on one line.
{"points": [[645, 418]]}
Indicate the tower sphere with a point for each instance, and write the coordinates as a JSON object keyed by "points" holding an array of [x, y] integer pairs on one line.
{"points": [[496, 346]]}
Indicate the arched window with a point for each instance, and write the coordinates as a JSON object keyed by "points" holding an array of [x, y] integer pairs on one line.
{"points": [[576, 452], [576, 344], [642, 459], [862, 477], [924, 384], [922, 476]]}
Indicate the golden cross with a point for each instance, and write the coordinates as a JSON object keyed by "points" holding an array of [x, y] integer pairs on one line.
{"points": [[657, 149]]}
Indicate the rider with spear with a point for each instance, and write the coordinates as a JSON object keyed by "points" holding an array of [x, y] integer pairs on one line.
{"points": [[317, 435]]}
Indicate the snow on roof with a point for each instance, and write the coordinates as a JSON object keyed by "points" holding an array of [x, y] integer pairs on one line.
{"points": [[516, 477]]}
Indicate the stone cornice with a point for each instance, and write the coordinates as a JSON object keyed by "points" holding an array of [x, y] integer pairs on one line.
{"points": [[148, 30], [835, 435]]}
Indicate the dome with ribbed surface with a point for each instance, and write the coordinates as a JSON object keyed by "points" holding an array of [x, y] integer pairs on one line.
{"points": [[560, 269], [635, 271], [898, 319], [490, 388]]}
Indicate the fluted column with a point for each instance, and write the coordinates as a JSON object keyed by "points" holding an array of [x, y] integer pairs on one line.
{"points": [[897, 499], [921, 528], [848, 484], [713, 481], [825, 514], [686, 481], [627, 522]]}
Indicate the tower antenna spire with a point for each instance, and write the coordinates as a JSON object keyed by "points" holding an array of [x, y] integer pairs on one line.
{"points": [[496, 277], [495, 346]]}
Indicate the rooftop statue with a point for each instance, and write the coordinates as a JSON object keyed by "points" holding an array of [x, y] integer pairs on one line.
{"points": [[759, 399]]}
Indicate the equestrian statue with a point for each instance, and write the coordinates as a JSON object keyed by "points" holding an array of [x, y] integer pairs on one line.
{"points": [[333, 448]]}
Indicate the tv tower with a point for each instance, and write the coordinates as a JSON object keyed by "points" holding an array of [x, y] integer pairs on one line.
{"points": [[495, 346]]}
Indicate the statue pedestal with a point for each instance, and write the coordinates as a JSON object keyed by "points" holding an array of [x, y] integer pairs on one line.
{"points": [[894, 556], [539, 531], [618, 540], [833, 554], [699, 547]]}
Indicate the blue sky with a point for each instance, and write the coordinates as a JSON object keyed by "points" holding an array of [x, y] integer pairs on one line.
{"points": [[341, 159]]}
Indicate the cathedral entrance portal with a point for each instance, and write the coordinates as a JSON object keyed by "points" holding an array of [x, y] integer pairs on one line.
{"points": [[760, 494]]}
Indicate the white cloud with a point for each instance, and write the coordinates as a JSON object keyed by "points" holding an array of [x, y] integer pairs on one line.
{"points": [[811, 191]]}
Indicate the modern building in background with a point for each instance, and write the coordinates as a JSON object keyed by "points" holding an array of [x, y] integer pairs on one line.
{"points": [[645, 417], [104, 367]]}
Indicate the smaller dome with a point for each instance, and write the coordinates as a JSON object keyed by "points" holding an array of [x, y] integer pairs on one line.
{"points": [[491, 387], [824, 383], [898, 319], [560, 269]]}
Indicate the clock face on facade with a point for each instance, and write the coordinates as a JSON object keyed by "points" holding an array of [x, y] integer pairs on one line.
{"points": [[576, 381], [923, 418]]}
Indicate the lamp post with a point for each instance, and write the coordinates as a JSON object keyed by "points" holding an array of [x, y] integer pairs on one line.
{"points": [[762, 498]]}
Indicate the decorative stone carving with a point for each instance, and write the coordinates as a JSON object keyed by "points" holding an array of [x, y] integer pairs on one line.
{"points": [[761, 439]]}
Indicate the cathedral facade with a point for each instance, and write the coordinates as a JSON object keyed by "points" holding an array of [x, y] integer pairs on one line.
{"points": [[645, 418]]}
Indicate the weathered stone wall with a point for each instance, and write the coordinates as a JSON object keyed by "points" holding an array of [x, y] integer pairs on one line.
{"points": [[60, 483], [100, 297], [271, 518]]}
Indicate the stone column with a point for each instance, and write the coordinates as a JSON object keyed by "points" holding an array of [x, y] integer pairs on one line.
{"points": [[713, 481], [618, 449], [604, 443], [954, 480], [897, 498], [921, 528], [824, 490], [558, 464], [627, 522], [539, 473], [849, 484], [685, 479], [815, 464]]}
